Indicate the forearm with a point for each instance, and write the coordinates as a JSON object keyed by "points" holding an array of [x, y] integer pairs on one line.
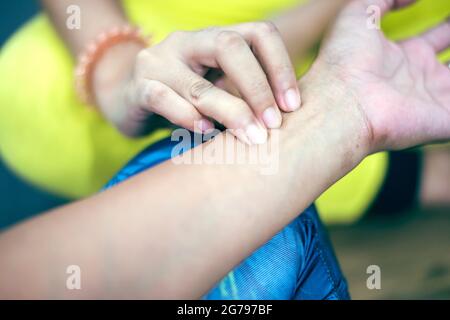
{"points": [[303, 26], [175, 230], [111, 12], [109, 75]]}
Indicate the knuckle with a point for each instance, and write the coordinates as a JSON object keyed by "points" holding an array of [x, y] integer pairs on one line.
{"points": [[226, 39], [240, 116], [263, 101], [239, 120], [146, 58], [199, 88], [176, 36], [260, 95], [143, 56], [210, 30], [156, 91], [259, 88], [266, 27]]}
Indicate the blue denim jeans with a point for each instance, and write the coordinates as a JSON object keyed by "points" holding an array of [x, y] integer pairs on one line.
{"points": [[297, 263]]}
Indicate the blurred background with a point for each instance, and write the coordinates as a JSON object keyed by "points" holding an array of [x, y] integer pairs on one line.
{"points": [[412, 248], [19, 200]]}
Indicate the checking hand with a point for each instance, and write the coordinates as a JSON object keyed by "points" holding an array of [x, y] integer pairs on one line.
{"points": [[169, 80]]}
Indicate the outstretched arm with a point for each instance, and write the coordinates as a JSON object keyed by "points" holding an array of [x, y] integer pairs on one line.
{"points": [[175, 230], [363, 94]]}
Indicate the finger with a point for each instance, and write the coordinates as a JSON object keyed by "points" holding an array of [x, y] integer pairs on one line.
{"points": [[154, 96], [238, 62], [232, 112], [230, 52], [267, 44], [438, 37], [225, 108], [209, 100], [225, 83]]}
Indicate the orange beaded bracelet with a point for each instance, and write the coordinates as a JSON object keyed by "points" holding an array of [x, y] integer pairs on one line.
{"points": [[94, 52]]}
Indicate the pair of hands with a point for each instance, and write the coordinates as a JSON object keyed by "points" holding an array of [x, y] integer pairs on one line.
{"points": [[400, 89]]}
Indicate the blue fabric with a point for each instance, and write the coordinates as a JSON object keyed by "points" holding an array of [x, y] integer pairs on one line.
{"points": [[297, 263]]}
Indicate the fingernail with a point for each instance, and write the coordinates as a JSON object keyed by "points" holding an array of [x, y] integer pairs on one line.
{"points": [[292, 99], [204, 125], [256, 134], [271, 118]]}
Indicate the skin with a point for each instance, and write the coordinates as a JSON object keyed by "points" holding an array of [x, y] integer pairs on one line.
{"points": [[110, 77], [129, 94], [181, 93], [134, 241], [419, 71], [169, 78]]}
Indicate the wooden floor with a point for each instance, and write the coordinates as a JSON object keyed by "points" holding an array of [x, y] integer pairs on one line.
{"points": [[412, 251]]}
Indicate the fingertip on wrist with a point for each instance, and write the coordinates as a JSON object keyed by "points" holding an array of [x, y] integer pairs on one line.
{"points": [[272, 118], [292, 99]]}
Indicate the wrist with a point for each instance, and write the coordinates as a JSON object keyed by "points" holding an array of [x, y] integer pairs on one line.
{"points": [[333, 113], [112, 73]]}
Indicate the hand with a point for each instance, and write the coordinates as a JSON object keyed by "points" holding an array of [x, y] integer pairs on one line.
{"points": [[169, 80], [400, 89]]}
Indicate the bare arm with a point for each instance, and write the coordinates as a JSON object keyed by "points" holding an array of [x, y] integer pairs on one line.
{"points": [[96, 17], [136, 240], [303, 26], [111, 13]]}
